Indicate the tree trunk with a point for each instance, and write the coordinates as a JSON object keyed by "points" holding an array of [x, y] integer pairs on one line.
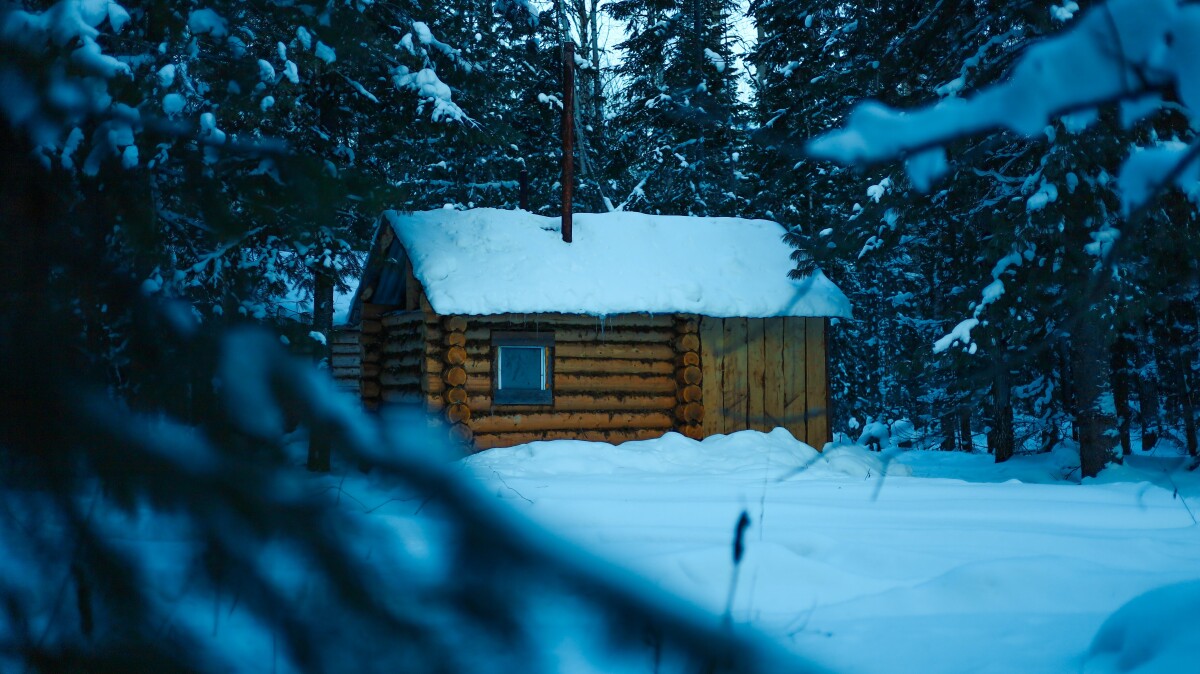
{"points": [[318, 439], [1149, 417], [1002, 414], [1096, 423], [1067, 387], [1121, 348], [1179, 323], [949, 436], [597, 93], [965, 440]]}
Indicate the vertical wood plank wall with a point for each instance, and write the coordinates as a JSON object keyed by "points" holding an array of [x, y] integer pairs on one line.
{"points": [[760, 373]]}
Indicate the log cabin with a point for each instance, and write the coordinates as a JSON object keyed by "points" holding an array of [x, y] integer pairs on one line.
{"points": [[640, 326]]}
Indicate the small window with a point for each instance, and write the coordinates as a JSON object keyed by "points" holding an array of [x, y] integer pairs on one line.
{"points": [[523, 368]]}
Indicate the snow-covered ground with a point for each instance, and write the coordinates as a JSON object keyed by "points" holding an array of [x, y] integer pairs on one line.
{"points": [[917, 561], [914, 561]]}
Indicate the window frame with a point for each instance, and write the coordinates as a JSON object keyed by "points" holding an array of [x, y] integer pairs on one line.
{"points": [[519, 396]]}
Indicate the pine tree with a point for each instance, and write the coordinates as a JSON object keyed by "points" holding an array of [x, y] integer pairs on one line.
{"points": [[680, 118]]}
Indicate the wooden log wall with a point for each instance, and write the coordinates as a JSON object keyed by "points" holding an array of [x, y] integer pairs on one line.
{"points": [[370, 339], [401, 352], [453, 366], [346, 361], [614, 379], [689, 412], [760, 373]]}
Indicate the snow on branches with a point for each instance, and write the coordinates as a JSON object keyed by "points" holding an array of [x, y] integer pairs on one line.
{"points": [[1123, 50]]}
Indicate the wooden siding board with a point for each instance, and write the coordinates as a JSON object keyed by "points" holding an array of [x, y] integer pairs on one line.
{"points": [[795, 405], [756, 374], [773, 375], [817, 416], [735, 391]]}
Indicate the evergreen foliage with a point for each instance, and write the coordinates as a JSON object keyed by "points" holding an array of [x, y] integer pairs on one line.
{"points": [[174, 169], [680, 119]]}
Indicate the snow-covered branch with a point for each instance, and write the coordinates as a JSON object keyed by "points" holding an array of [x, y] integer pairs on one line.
{"points": [[1124, 50]]}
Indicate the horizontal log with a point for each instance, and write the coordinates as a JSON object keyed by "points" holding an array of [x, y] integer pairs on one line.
{"points": [[374, 311], [483, 402], [352, 349], [411, 346], [396, 336], [611, 336], [612, 366], [434, 402], [689, 342], [370, 389], [456, 355], [689, 358], [482, 338], [454, 324], [370, 327], [471, 334], [690, 412], [455, 339], [432, 383], [353, 372], [686, 324], [618, 383], [339, 360], [435, 332], [480, 367], [458, 396], [400, 379], [403, 318], [476, 383], [528, 321], [401, 397], [455, 376], [691, 394], [344, 337], [693, 431], [566, 421], [462, 434], [458, 413], [371, 370], [403, 361], [689, 376], [614, 437], [627, 351]]}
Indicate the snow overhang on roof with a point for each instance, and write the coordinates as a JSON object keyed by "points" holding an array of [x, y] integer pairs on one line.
{"points": [[491, 261]]}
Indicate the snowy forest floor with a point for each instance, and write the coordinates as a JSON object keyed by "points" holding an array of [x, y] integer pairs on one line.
{"points": [[948, 563], [901, 561]]}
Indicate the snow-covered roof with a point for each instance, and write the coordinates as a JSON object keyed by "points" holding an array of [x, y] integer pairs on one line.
{"points": [[492, 261]]}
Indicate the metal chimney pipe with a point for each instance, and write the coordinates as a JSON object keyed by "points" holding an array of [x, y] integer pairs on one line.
{"points": [[568, 137]]}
